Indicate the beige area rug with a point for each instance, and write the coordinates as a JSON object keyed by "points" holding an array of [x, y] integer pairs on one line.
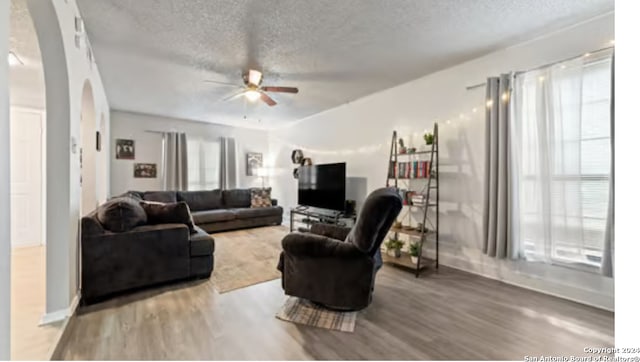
{"points": [[247, 257], [302, 311]]}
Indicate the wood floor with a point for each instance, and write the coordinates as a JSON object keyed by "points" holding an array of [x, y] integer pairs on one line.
{"points": [[445, 315], [29, 341]]}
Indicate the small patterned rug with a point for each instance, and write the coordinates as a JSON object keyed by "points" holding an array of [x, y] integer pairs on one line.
{"points": [[302, 311]]}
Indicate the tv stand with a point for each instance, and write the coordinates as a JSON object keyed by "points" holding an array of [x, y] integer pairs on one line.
{"points": [[302, 217]]}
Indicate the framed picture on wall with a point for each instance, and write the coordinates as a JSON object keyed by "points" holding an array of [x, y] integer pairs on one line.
{"points": [[125, 149], [254, 162], [145, 170]]}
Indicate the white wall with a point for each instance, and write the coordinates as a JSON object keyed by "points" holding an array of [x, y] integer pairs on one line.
{"points": [[148, 147], [360, 133], [66, 69], [5, 207]]}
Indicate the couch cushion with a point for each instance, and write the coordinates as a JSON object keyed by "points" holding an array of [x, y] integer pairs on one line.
{"points": [[261, 197], [209, 216], [201, 243], [121, 214], [160, 196], [201, 200], [236, 198], [168, 213], [250, 213]]}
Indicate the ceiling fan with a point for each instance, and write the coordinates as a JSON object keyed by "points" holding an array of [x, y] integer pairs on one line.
{"points": [[254, 90]]}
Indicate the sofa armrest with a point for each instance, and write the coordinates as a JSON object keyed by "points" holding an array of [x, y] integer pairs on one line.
{"points": [[145, 255], [274, 202], [310, 245], [331, 231]]}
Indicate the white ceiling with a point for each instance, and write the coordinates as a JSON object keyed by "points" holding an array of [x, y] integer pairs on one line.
{"points": [[26, 81], [154, 55]]}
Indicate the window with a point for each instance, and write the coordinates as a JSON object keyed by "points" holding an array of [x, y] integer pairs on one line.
{"points": [[204, 164], [561, 147]]}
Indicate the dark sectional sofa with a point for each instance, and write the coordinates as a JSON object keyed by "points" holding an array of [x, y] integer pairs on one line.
{"points": [[113, 262], [219, 210], [128, 253]]}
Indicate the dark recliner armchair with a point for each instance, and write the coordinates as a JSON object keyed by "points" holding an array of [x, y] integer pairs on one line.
{"points": [[336, 266]]}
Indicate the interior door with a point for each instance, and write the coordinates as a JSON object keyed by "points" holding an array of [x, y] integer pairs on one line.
{"points": [[26, 178]]}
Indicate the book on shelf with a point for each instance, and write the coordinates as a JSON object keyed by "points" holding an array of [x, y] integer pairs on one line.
{"points": [[409, 170], [412, 198]]}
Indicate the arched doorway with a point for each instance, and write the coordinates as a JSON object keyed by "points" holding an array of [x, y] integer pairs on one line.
{"points": [[88, 150]]}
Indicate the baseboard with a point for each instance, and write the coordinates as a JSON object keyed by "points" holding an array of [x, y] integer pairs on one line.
{"points": [[61, 314]]}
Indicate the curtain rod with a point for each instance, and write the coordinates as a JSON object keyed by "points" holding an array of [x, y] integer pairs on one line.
{"points": [[545, 65]]}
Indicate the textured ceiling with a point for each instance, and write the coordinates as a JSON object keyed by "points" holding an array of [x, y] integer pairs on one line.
{"points": [[154, 55], [26, 81]]}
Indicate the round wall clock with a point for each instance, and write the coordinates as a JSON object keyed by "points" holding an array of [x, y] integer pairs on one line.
{"points": [[297, 156]]}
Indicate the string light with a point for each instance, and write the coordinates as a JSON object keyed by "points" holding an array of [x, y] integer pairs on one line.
{"points": [[541, 78], [587, 55], [490, 103]]}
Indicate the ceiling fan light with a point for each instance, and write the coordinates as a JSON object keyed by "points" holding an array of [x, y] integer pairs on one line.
{"points": [[255, 77], [252, 95]]}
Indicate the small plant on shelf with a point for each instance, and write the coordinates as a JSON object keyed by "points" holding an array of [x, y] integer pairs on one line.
{"points": [[394, 247], [428, 138], [414, 251]]}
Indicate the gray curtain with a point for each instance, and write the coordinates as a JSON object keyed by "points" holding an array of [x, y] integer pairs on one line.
{"points": [[175, 161], [228, 163], [497, 199], [608, 253]]}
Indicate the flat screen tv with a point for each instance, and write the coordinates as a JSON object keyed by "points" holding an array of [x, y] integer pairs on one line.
{"points": [[322, 186]]}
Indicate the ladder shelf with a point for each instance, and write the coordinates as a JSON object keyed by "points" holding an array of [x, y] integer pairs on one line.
{"points": [[427, 171]]}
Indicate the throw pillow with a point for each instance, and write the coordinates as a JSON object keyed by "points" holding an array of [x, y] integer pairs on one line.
{"points": [[168, 213], [261, 197], [121, 214]]}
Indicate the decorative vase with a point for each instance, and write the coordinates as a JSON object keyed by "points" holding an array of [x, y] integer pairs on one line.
{"points": [[414, 259]]}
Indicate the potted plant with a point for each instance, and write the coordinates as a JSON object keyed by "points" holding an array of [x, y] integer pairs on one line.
{"points": [[403, 148], [414, 251], [428, 138], [394, 247]]}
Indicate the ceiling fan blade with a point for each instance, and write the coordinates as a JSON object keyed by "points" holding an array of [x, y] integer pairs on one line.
{"points": [[280, 89], [233, 96], [268, 100], [222, 83], [255, 77]]}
